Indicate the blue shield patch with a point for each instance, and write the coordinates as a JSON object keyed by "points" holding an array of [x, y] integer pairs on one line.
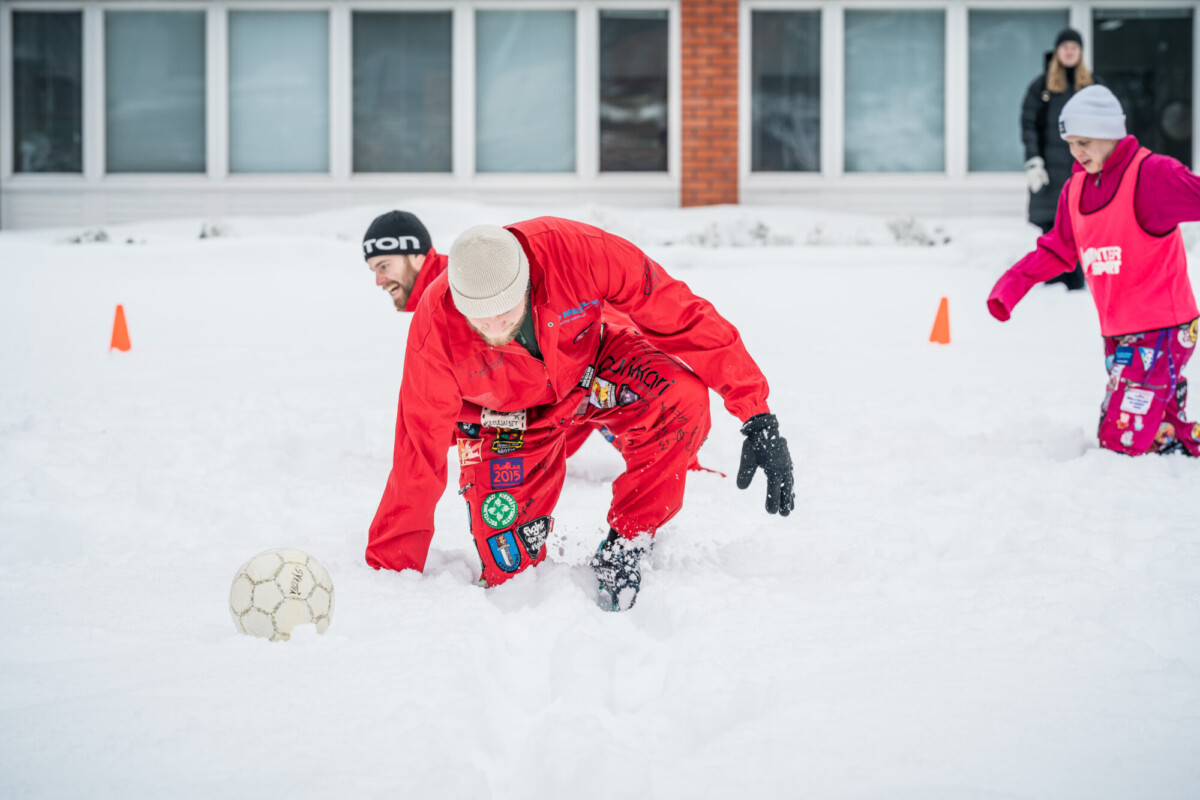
{"points": [[1124, 356], [505, 552]]}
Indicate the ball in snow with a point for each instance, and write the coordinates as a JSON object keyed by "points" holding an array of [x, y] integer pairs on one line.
{"points": [[279, 589]]}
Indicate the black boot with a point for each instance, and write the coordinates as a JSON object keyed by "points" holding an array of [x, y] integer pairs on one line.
{"points": [[618, 568]]}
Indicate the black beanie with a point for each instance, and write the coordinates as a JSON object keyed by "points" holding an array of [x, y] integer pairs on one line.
{"points": [[1068, 35], [396, 233]]}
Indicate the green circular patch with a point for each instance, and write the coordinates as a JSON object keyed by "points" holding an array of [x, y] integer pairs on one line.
{"points": [[499, 509]]}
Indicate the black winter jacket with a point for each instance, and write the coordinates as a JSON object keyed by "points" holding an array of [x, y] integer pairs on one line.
{"points": [[1039, 133]]}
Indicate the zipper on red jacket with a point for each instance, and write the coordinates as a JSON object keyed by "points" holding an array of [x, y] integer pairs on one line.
{"points": [[537, 323]]}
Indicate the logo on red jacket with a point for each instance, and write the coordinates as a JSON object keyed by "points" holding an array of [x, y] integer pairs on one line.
{"points": [[578, 312], [469, 451], [504, 551], [514, 420], [533, 534], [499, 510], [508, 441], [507, 472], [649, 277], [603, 394], [1102, 260]]}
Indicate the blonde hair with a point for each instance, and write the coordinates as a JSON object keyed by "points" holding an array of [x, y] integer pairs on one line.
{"points": [[1056, 76]]}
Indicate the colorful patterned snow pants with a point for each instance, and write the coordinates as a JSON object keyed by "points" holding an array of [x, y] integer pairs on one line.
{"points": [[1144, 407], [511, 479]]}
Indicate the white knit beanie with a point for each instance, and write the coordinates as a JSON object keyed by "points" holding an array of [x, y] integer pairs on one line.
{"points": [[1094, 112], [488, 270]]}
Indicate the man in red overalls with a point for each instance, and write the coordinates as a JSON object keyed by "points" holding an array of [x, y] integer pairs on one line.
{"points": [[400, 253], [514, 328]]}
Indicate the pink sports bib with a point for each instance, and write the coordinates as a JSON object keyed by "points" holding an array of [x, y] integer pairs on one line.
{"points": [[1139, 282]]}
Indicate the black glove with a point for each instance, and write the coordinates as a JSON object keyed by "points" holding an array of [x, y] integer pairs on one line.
{"points": [[618, 568], [765, 448]]}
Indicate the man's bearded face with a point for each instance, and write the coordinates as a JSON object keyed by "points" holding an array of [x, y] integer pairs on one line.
{"points": [[502, 328], [396, 275]]}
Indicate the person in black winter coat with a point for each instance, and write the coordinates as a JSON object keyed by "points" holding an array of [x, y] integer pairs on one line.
{"points": [[1047, 158]]}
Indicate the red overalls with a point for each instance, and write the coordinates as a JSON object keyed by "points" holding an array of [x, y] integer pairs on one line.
{"points": [[589, 372]]}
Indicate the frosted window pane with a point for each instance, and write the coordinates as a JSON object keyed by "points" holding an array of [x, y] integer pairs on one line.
{"points": [[154, 91], [525, 91], [633, 91], [786, 91], [47, 91], [278, 91], [1145, 56], [895, 91], [402, 92], [1007, 51]]}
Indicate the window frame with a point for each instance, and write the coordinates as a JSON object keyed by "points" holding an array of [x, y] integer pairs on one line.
{"points": [[273, 7], [462, 176], [746, 87], [8, 175], [95, 85], [956, 93], [582, 47], [674, 87], [102, 64], [345, 117]]}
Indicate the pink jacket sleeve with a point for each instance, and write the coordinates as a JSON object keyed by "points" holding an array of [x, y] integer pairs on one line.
{"points": [[1167, 194], [1055, 254]]}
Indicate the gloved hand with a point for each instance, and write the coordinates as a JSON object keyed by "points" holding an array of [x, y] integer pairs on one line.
{"points": [[618, 568], [1035, 174], [765, 448]]}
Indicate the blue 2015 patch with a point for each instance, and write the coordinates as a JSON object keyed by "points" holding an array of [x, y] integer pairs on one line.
{"points": [[505, 552], [1124, 356], [507, 472]]}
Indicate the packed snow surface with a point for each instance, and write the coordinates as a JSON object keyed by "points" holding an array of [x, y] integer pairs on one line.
{"points": [[971, 600]]}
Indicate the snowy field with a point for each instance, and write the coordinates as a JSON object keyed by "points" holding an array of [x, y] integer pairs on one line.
{"points": [[971, 601]]}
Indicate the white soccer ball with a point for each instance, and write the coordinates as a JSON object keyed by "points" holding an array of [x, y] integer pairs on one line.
{"points": [[279, 589]]}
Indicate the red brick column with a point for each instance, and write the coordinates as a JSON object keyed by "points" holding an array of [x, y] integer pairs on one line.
{"points": [[710, 102]]}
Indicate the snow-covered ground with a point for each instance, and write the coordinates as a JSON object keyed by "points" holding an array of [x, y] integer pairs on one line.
{"points": [[971, 600]]}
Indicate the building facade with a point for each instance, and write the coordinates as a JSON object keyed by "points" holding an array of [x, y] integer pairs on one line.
{"points": [[117, 110]]}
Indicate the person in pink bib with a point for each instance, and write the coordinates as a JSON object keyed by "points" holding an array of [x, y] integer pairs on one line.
{"points": [[1119, 215]]}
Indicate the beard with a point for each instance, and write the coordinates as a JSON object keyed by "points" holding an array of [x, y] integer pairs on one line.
{"points": [[400, 298], [508, 335]]}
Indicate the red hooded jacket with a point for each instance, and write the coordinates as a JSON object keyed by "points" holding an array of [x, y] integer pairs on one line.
{"points": [[434, 265], [575, 271]]}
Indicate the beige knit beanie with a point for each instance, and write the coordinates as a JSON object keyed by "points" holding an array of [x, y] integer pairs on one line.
{"points": [[488, 270]]}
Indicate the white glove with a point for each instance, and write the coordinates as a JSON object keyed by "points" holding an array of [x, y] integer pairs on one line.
{"points": [[1035, 174]]}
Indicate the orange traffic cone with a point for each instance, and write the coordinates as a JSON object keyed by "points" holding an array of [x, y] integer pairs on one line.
{"points": [[941, 325], [120, 336]]}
